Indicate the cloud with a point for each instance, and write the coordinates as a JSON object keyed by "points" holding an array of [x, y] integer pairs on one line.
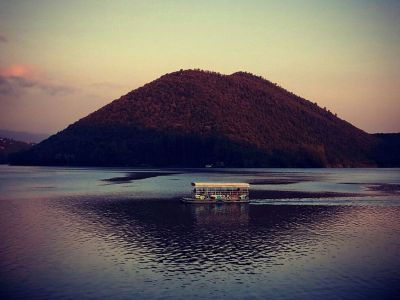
{"points": [[15, 85], [16, 78], [20, 71], [5, 86]]}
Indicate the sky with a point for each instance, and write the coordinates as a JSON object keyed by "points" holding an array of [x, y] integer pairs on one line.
{"points": [[61, 60]]}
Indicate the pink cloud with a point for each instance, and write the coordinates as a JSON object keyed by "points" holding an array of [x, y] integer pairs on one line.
{"points": [[18, 77], [19, 70]]}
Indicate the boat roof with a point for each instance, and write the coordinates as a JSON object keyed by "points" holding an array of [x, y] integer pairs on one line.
{"points": [[221, 184]]}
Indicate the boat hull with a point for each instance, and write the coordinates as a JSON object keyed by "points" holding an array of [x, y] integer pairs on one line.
{"points": [[212, 201]]}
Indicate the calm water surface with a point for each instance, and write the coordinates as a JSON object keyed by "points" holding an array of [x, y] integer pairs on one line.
{"points": [[68, 234]]}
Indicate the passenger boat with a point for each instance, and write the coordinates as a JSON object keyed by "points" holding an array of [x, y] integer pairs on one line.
{"points": [[213, 192]]}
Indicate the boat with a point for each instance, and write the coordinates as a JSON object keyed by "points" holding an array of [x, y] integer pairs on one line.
{"points": [[214, 192]]}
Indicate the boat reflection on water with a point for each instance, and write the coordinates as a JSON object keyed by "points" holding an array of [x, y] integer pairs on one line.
{"points": [[220, 214]]}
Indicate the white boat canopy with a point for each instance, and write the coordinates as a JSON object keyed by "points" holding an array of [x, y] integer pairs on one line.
{"points": [[221, 184]]}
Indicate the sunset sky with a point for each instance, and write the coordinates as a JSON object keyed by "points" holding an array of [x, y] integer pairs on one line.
{"points": [[60, 60]]}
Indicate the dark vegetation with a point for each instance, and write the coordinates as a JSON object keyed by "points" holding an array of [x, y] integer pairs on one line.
{"points": [[192, 118], [387, 153], [9, 146]]}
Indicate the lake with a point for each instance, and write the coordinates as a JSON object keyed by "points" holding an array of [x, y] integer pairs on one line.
{"points": [[97, 233]]}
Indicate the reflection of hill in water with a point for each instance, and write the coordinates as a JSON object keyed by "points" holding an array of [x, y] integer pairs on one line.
{"points": [[211, 238]]}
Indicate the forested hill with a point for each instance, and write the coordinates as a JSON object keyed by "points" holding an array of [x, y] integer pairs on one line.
{"points": [[9, 146], [192, 118], [387, 153]]}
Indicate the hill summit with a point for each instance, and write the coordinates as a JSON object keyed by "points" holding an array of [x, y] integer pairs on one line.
{"points": [[192, 118]]}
